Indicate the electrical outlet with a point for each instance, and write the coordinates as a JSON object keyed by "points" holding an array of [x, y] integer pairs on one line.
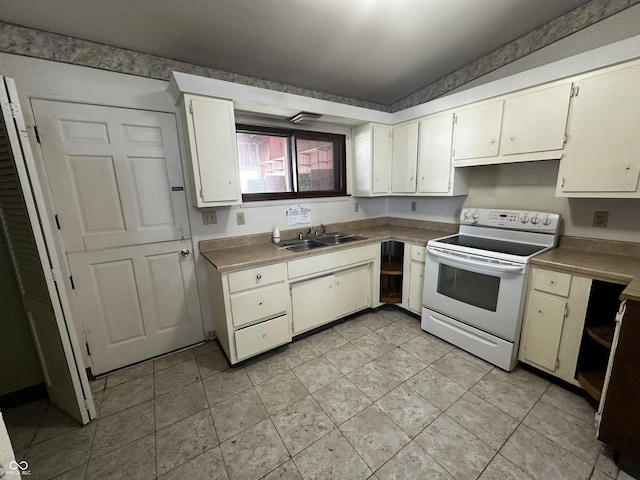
{"points": [[209, 218], [240, 218], [413, 206], [356, 207], [600, 219]]}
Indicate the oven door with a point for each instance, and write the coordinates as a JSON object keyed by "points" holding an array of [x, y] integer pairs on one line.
{"points": [[479, 291]]}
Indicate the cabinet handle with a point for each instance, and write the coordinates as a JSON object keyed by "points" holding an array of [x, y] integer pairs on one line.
{"points": [[258, 277], [513, 139], [493, 142], [260, 303], [185, 252], [540, 311], [552, 282]]}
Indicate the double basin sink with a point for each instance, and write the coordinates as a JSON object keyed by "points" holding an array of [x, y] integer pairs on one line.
{"points": [[320, 241]]}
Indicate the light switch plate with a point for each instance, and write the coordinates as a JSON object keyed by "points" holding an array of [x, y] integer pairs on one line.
{"points": [[413, 206], [240, 218], [209, 218]]}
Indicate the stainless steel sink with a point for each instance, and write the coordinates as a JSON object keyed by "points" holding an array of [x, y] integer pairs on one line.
{"points": [[338, 238], [301, 245]]}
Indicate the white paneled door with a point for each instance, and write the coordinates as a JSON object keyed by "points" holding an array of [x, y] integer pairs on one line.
{"points": [[115, 174], [117, 185], [136, 302]]}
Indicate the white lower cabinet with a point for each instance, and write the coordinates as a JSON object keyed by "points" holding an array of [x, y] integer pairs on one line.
{"points": [[313, 303], [257, 309], [353, 290], [554, 321], [413, 280]]}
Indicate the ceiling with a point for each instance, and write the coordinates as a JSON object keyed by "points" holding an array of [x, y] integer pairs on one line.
{"points": [[374, 50]]}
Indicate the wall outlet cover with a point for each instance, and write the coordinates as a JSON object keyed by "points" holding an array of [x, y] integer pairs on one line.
{"points": [[209, 218], [413, 206], [240, 218], [600, 219], [356, 207]]}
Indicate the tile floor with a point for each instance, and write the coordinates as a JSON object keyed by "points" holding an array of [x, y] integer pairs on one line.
{"points": [[374, 397]]}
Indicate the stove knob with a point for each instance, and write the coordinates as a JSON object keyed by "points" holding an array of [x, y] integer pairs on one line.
{"points": [[546, 221], [535, 220], [466, 214], [524, 219], [475, 215]]}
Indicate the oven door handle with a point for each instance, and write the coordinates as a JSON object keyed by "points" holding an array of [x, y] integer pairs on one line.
{"points": [[467, 261]]}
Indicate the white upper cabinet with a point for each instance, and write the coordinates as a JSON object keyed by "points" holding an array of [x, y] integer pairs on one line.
{"points": [[520, 127], [405, 158], [535, 121], [372, 160], [209, 124], [436, 175], [477, 131], [602, 156]]}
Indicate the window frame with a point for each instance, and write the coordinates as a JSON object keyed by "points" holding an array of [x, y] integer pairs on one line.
{"points": [[339, 162]]}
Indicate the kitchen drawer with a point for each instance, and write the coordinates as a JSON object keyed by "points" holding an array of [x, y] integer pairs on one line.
{"points": [[262, 337], [418, 253], [256, 277], [258, 304], [552, 282]]}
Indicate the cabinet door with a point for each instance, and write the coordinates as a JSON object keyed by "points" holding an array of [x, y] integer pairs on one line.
{"points": [[404, 162], [381, 158], [214, 151], [313, 303], [477, 131], [601, 154], [416, 284], [352, 290], [434, 154], [372, 159], [544, 320], [536, 121]]}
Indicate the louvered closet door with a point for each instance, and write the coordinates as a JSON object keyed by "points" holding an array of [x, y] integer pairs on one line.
{"points": [[115, 174], [27, 232]]}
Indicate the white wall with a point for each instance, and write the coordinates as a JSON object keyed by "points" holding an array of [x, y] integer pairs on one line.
{"points": [[528, 186]]}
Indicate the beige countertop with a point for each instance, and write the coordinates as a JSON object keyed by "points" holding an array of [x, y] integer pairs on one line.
{"points": [[595, 263], [263, 253]]}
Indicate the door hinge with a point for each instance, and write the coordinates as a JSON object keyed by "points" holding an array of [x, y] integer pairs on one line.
{"points": [[455, 119], [35, 129], [566, 137], [566, 311], [190, 108], [561, 186], [73, 285], [55, 275], [201, 194], [87, 346], [575, 90], [557, 363], [57, 221], [15, 110]]}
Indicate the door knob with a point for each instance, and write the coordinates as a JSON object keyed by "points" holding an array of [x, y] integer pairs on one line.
{"points": [[185, 252]]}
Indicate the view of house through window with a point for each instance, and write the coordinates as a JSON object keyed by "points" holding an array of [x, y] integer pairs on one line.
{"points": [[276, 164]]}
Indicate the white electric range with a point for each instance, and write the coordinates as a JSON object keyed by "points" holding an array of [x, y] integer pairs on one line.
{"points": [[475, 281]]}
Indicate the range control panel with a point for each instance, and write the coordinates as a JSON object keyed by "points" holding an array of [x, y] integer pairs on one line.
{"points": [[511, 219]]}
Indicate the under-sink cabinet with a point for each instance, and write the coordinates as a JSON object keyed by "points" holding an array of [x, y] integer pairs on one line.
{"points": [[260, 308], [554, 321]]}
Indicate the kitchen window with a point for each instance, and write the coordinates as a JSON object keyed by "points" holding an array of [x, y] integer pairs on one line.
{"points": [[288, 164]]}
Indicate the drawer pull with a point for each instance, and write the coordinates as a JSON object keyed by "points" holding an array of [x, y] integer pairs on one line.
{"points": [[258, 277], [552, 282], [260, 303]]}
